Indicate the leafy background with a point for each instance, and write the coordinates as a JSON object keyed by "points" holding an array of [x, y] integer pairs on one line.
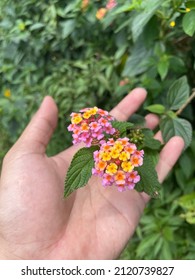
{"points": [[62, 49]]}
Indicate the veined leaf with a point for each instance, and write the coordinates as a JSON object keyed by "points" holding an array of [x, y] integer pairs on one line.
{"points": [[149, 180], [80, 170], [154, 155], [176, 126], [137, 120], [122, 127], [149, 141], [178, 93]]}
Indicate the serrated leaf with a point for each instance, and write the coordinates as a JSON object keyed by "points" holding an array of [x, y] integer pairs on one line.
{"points": [[149, 180], [176, 126], [137, 120], [188, 23], [80, 170], [149, 141], [154, 155], [178, 93], [122, 127], [156, 108]]}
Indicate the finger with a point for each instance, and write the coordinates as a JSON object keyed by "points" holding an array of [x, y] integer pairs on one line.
{"points": [[129, 104], [37, 134], [168, 157], [152, 121]]}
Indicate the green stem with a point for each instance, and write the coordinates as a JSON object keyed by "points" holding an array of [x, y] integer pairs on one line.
{"points": [[186, 103]]}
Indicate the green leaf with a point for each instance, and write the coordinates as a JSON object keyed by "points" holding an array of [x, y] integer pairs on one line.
{"points": [[137, 120], [80, 170], [142, 18], [163, 67], [147, 243], [123, 9], [149, 180], [188, 23], [36, 26], [187, 201], [154, 155], [166, 253], [177, 126], [122, 127], [137, 62], [68, 27], [149, 141], [178, 93], [189, 216], [186, 163], [156, 108], [190, 4]]}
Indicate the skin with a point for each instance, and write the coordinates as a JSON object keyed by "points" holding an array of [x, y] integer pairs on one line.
{"points": [[36, 222]]}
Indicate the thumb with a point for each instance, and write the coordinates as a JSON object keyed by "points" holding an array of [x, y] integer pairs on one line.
{"points": [[37, 134]]}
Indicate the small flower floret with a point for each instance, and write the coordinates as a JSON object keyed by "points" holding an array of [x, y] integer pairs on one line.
{"points": [[116, 161]]}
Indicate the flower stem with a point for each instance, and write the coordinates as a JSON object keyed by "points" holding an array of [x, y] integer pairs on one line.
{"points": [[186, 103]]}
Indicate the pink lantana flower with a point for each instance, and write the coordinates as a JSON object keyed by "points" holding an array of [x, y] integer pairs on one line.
{"points": [[90, 125], [111, 4]]}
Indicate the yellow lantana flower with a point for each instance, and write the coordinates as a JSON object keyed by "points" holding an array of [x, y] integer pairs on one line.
{"points": [[124, 156], [114, 153], [127, 166], [111, 168], [76, 119]]}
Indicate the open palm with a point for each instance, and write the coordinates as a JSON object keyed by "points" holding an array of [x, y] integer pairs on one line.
{"points": [[92, 223]]}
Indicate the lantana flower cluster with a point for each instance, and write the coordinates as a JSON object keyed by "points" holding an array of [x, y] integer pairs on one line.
{"points": [[115, 163], [102, 11], [90, 125], [116, 159]]}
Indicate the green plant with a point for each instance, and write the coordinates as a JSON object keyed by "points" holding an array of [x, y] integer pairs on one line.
{"points": [[58, 48]]}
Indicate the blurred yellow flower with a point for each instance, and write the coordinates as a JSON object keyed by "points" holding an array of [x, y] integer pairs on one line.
{"points": [[21, 26], [7, 93], [188, 10], [101, 13], [172, 23]]}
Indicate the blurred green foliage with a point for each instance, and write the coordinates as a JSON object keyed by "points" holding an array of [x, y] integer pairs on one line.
{"points": [[60, 48]]}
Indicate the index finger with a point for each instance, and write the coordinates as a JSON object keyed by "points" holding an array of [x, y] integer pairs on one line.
{"points": [[129, 104]]}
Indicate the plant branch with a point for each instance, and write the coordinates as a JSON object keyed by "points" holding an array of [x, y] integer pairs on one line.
{"points": [[186, 103]]}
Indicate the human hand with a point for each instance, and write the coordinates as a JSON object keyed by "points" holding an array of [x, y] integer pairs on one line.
{"points": [[93, 222]]}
